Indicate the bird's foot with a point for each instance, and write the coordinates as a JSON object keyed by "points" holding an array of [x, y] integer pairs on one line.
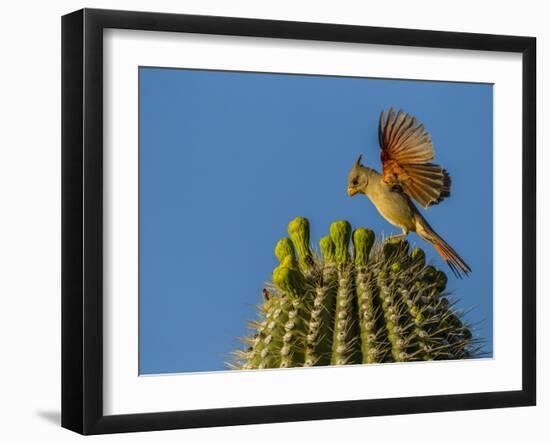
{"points": [[397, 237]]}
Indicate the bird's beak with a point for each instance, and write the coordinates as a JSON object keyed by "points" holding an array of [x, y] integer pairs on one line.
{"points": [[352, 191]]}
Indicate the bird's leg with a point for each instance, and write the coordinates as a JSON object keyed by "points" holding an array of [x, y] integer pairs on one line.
{"points": [[401, 236]]}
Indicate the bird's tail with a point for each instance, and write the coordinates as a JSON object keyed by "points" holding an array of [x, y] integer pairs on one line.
{"points": [[459, 267]]}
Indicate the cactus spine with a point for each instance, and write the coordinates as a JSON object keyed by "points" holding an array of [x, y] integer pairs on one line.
{"points": [[368, 303]]}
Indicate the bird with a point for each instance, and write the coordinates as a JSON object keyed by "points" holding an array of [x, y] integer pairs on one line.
{"points": [[406, 152]]}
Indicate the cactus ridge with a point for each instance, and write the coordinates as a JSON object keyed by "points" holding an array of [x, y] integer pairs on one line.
{"points": [[358, 301]]}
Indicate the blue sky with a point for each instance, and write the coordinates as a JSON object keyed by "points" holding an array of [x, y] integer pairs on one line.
{"points": [[228, 158]]}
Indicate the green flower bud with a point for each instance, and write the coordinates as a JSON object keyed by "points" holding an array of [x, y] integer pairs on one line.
{"points": [[290, 281], [419, 256], [389, 249], [289, 262], [396, 267], [455, 321], [441, 281], [429, 274], [363, 239], [401, 245], [298, 230], [283, 248], [327, 249], [340, 233]]}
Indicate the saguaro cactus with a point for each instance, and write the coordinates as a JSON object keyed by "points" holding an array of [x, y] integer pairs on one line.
{"points": [[368, 302]]}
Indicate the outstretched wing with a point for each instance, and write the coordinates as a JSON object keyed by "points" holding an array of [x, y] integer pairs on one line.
{"points": [[406, 154]]}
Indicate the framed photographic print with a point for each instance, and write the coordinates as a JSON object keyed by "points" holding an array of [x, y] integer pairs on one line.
{"points": [[269, 221]]}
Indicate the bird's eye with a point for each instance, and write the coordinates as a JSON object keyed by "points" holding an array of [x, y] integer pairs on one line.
{"points": [[355, 182]]}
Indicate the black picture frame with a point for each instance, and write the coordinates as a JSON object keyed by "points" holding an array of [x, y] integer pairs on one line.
{"points": [[82, 220]]}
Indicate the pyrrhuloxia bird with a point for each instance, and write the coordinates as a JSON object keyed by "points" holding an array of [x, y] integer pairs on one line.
{"points": [[406, 152]]}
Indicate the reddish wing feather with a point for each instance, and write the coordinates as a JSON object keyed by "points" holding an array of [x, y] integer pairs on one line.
{"points": [[406, 153]]}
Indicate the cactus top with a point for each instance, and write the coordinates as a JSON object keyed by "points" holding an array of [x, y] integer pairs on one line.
{"points": [[385, 305]]}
